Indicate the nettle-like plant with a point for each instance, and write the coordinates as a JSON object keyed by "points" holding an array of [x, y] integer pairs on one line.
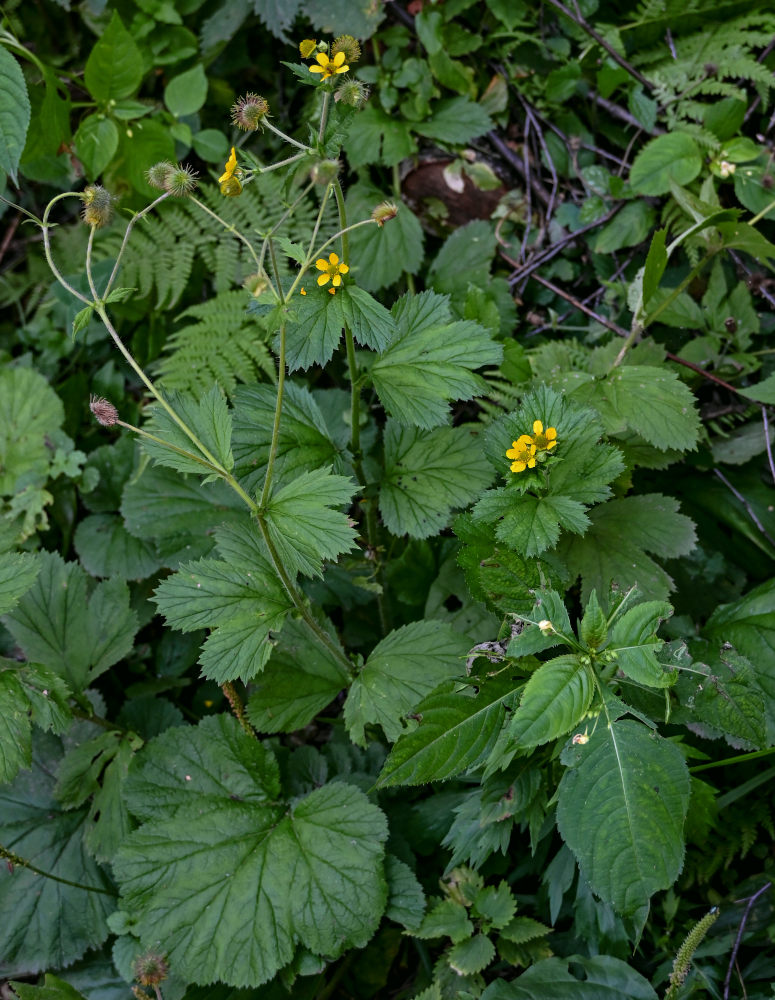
{"points": [[222, 852]]}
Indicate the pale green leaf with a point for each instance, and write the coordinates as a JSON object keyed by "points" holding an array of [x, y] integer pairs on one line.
{"points": [[369, 321], [406, 899], [186, 93], [96, 142], [530, 524], [555, 698], [432, 362], [33, 825], [620, 534], [673, 157], [14, 113], [239, 597], [378, 138], [262, 875], [635, 642], [655, 403], [302, 525], [401, 670], [607, 978], [76, 633], [762, 392], [114, 68], [29, 411], [304, 443], [381, 254], [300, 679], [314, 329], [727, 693], [456, 731], [210, 421], [523, 929], [465, 258], [52, 989], [496, 904], [446, 919], [106, 548], [18, 572], [427, 474], [633, 787], [472, 955], [455, 121]]}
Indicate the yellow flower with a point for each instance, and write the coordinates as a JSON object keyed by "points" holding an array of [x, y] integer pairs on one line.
{"points": [[332, 269], [329, 67], [544, 440], [230, 182], [307, 47], [522, 452]]}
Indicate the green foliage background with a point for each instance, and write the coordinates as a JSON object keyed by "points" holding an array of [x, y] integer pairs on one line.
{"points": [[304, 690]]}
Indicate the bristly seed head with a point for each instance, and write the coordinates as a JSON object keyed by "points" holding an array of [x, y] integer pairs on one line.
{"points": [[385, 211], [151, 968], [248, 112], [325, 171], [157, 174], [180, 181], [97, 206], [349, 45], [103, 410], [352, 92]]}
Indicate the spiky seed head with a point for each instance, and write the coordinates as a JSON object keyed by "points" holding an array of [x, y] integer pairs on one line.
{"points": [[104, 411], [349, 45], [180, 181], [385, 211], [97, 206], [256, 284], [151, 968], [158, 173], [325, 171], [352, 92], [248, 112]]}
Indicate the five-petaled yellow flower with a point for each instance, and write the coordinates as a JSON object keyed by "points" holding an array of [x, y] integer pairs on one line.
{"points": [[329, 67], [544, 440], [230, 182], [523, 454], [332, 270]]}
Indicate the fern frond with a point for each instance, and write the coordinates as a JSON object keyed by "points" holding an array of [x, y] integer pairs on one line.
{"points": [[220, 343]]}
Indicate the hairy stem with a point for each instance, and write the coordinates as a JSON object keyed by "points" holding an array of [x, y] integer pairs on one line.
{"points": [[130, 226], [20, 862]]}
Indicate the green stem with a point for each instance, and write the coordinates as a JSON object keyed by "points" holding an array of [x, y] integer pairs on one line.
{"points": [[286, 138], [280, 163], [740, 759], [288, 212], [172, 447], [130, 226], [229, 228], [278, 409], [89, 275], [47, 246], [14, 859], [324, 114], [310, 256]]}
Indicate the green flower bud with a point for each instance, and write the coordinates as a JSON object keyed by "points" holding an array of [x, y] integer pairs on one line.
{"points": [[97, 206]]}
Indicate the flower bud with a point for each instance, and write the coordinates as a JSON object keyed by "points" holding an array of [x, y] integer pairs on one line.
{"points": [[256, 284], [349, 45], [180, 181], [580, 738], [97, 206], [248, 112], [103, 410], [325, 171], [352, 92], [546, 627], [151, 968], [158, 173], [385, 211]]}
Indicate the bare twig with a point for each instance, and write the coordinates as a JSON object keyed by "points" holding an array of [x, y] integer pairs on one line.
{"points": [[767, 442], [622, 114], [751, 512], [586, 27], [739, 937], [515, 161]]}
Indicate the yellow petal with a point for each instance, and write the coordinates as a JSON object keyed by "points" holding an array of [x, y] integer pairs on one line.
{"points": [[322, 59], [338, 59], [538, 427], [550, 445], [332, 291], [302, 292], [321, 264], [517, 466], [551, 433], [512, 453], [524, 441], [231, 187], [316, 69], [336, 280], [333, 258], [344, 268], [323, 279], [342, 69], [531, 464]]}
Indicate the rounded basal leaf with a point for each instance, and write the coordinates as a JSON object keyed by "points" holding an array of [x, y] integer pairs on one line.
{"points": [[46, 924], [621, 811], [671, 157], [236, 879]]}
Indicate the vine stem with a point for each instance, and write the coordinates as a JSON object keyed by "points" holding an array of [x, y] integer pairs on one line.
{"points": [[20, 862], [47, 247]]}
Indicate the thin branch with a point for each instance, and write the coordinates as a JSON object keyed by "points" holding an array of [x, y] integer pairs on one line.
{"points": [[586, 27], [751, 512], [767, 442], [622, 114], [739, 937]]}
